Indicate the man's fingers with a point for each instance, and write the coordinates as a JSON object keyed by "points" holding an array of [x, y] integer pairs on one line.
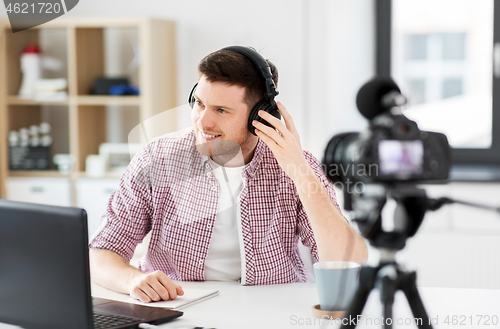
{"points": [[150, 291], [155, 286], [289, 122], [283, 111], [139, 294], [270, 132], [274, 121], [268, 140], [172, 291], [180, 292], [158, 287], [287, 117], [168, 284]]}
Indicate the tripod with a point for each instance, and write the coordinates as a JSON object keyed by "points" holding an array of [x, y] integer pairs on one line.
{"points": [[387, 276]]}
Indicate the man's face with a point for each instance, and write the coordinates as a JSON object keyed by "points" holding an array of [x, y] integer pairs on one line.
{"points": [[220, 118]]}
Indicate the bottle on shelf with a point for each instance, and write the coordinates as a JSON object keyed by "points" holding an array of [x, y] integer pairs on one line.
{"points": [[32, 70]]}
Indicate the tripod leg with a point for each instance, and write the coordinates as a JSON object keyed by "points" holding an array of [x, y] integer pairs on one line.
{"points": [[387, 297], [409, 287], [366, 283]]}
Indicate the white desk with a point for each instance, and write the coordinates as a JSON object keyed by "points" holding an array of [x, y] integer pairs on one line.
{"points": [[289, 306]]}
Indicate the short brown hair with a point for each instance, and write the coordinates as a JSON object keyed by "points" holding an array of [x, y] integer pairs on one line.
{"points": [[235, 69]]}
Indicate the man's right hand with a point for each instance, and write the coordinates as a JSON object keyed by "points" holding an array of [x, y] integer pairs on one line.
{"points": [[114, 272], [154, 286]]}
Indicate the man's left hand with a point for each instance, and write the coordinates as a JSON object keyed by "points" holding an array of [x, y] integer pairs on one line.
{"points": [[283, 140]]}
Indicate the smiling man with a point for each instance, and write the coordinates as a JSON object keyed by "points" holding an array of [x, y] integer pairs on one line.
{"points": [[221, 130], [221, 202]]}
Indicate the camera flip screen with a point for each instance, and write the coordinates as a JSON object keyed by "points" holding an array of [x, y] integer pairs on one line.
{"points": [[401, 157]]}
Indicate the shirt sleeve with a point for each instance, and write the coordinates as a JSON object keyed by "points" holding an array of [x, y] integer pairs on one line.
{"points": [[127, 219], [304, 227]]}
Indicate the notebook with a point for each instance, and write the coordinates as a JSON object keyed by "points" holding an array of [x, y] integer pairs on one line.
{"points": [[44, 272], [190, 297]]}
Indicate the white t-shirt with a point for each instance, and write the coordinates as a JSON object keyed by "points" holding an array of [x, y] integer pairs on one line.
{"points": [[223, 262]]}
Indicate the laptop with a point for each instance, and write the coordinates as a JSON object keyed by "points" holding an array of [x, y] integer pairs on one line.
{"points": [[45, 277]]}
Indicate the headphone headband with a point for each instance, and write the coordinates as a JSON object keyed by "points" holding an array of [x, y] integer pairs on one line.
{"points": [[261, 65]]}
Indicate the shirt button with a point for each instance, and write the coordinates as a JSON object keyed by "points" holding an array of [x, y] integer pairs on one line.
{"points": [[214, 188], [207, 165], [209, 225], [200, 262]]}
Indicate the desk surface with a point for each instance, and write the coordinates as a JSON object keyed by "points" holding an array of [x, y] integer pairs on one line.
{"points": [[289, 306]]}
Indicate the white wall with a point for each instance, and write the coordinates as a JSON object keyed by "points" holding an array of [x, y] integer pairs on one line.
{"points": [[324, 50], [339, 54], [457, 246]]}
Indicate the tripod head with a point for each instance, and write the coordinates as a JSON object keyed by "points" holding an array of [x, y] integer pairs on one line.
{"points": [[367, 213], [367, 203]]}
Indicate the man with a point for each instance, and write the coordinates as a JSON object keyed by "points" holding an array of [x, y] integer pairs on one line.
{"points": [[222, 203]]}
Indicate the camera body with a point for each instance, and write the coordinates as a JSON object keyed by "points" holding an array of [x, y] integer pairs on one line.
{"points": [[393, 149], [385, 161]]}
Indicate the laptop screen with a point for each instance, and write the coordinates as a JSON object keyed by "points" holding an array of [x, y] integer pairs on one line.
{"points": [[44, 266]]}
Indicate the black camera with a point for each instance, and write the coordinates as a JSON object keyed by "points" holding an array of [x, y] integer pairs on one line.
{"points": [[393, 149]]}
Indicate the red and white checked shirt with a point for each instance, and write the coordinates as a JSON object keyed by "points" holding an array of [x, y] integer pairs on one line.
{"points": [[169, 189]]}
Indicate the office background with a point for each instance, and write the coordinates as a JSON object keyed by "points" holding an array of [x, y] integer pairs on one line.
{"points": [[324, 50]]}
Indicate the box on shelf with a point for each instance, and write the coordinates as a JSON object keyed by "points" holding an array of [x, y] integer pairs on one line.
{"points": [[29, 158]]}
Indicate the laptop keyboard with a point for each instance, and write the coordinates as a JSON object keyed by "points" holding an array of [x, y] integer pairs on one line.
{"points": [[106, 320]]}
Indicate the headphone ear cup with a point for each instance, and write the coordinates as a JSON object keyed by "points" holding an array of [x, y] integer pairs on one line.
{"points": [[191, 98], [266, 106]]}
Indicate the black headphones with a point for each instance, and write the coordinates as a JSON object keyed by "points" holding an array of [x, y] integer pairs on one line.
{"points": [[267, 104]]}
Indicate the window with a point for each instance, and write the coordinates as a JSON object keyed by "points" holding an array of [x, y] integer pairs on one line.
{"points": [[431, 66], [440, 53]]}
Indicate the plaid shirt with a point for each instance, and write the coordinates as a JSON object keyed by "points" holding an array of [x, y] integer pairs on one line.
{"points": [[169, 189]]}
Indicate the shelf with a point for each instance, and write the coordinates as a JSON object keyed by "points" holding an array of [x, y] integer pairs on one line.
{"points": [[82, 174], [80, 100], [88, 22], [108, 100], [57, 174], [90, 48], [37, 173], [16, 100]]}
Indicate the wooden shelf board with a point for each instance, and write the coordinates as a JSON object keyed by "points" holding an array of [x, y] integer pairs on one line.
{"points": [[80, 100], [108, 100], [36, 173], [16, 100], [82, 174], [103, 22], [84, 22], [57, 174]]}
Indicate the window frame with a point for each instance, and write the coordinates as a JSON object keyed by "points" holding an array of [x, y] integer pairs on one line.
{"points": [[462, 157]]}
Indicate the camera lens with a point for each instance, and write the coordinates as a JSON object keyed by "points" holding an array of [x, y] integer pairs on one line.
{"points": [[335, 160]]}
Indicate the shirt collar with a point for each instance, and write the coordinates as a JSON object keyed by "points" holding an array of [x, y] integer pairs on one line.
{"points": [[254, 165]]}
